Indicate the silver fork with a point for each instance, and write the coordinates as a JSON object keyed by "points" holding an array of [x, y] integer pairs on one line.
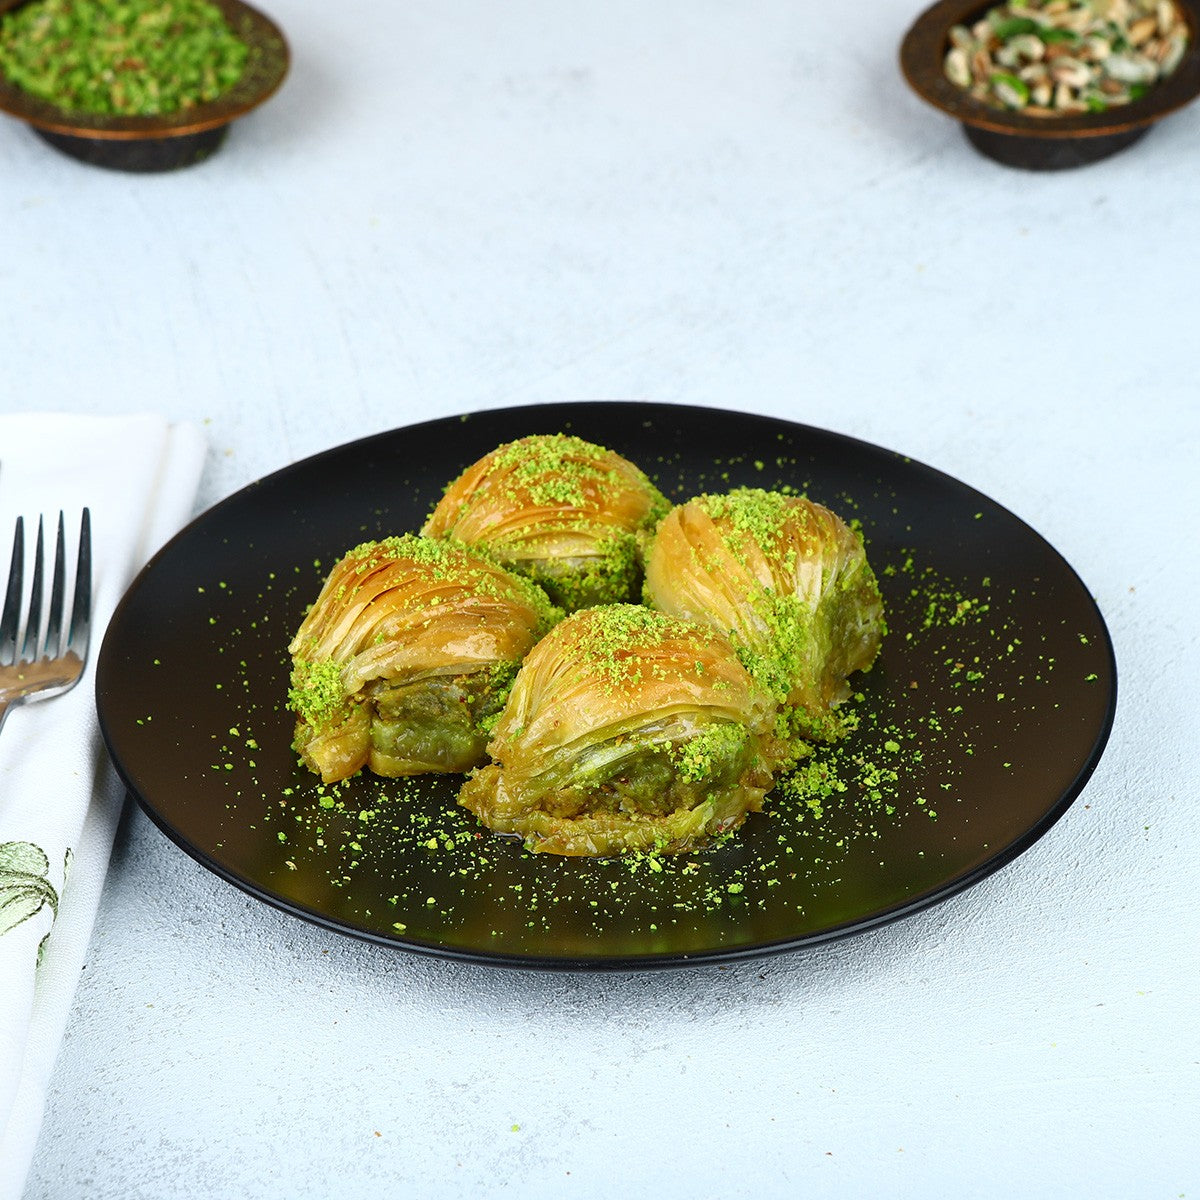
{"points": [[26, 675]]}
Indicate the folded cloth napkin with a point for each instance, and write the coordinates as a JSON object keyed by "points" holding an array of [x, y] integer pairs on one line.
{"points": [[59, 796]]}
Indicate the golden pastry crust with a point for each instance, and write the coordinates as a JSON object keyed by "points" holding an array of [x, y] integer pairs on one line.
{"points": [[627, 730], [569, 514], [410, 644], [788, 582]]}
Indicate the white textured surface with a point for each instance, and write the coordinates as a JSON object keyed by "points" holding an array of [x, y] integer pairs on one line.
{"points": [[462, 205]]}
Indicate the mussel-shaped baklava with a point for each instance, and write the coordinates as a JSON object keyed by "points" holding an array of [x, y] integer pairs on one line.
{"points": [[788, 582], [626, 730], [566, 513], [407, 656]]}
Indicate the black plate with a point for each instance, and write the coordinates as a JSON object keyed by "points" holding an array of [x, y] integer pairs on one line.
{"points": [[981, 722]]}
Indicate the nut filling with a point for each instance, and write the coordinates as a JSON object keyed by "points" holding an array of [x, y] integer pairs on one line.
{"points": [[1053, 58]]}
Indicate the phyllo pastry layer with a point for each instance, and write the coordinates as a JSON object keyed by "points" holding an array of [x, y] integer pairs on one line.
{"points": [[787, 581], [569, 514], [627, 730], [407, 656]]}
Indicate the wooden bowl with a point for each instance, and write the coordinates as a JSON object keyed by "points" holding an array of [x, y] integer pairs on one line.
{"points": [[170, 140], [1039, 143]]}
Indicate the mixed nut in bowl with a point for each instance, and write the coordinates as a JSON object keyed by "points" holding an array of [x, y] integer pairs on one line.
{"points": [[136, 85], [1048, 84]]}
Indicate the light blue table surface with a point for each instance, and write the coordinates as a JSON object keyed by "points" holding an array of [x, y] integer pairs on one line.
{"points": [[465, 205]]}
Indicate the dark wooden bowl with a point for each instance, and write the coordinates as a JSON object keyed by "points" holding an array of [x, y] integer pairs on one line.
{"points": [[1039, 143], [169, 141]]}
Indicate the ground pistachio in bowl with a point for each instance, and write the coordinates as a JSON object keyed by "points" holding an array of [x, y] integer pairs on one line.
{"points": [[1052, 58], [121, 57]]}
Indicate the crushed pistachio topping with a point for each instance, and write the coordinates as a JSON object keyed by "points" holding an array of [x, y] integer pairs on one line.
{"points": [[610, 641], [785, 656], [316, 693], [561, 470], [126, 57], [710, 750], [762, 516], [499, 679], [765, 519], [796, 726]]}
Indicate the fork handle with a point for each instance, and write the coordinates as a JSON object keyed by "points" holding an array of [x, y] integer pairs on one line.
{"points": [[4, 707]]}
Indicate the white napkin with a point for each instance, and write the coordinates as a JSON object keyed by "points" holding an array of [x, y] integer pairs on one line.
{"points": [[60, 799]]}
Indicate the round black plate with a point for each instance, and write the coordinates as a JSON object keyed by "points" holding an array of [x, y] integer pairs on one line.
{"points": [[982, 720]]}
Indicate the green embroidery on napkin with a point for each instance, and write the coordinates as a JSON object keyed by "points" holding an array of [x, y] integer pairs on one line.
{"points": [[24, 888]]}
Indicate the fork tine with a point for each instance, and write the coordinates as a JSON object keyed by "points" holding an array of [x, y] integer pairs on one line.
{"points": [[33, 621], [81, 603], [57, 595], [11, 617]]}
